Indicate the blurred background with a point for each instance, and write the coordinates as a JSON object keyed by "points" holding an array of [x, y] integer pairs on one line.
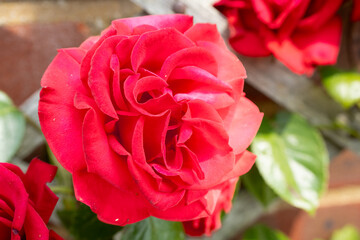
{"points": [[32, 30]]}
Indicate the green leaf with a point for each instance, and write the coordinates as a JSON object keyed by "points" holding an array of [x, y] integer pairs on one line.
{"points": [[12, 128], [83, 224], [255, 184], [343, 87], [348, 232], [63, 177], [262, 232], [292, 159], [153, 228]]}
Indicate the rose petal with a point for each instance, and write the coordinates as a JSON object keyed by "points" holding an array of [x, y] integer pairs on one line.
{"points": [[152, 48], [304, 51], [249, 44], [355, 16], [44, 200], [177, 21], [149, 188], [76, 53], [243, 164], [182, 211], [123, 51], [206, 225], [89, 42], [112, 205], [193, 56], [154, 134], [318, 15], [231, 3], [5, 229], [116, 89], [242, 121], [6, 212], [322, 47], [201, 110], [138, 152], [229, 65], [54, 236], [34, 226], [152, 107], [190, 78], [99, 156], [210, 144], [99, 75], [57, 113], [205, 32], [284, 16], [86, 63], [16, 195], [125, 130]]}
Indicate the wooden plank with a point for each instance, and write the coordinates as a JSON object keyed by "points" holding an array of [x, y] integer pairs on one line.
{"points": [[190, 7], [294, 92], [60, 11]]}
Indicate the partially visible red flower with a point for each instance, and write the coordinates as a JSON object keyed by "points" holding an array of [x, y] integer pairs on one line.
{"points": [[212, 223], [26, 203], [301, 33], [356, 10]]}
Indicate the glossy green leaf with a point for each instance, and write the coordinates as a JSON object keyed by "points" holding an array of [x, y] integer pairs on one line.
{"points": [[262, 232], [83, 224], [63, 177], [12, 128], [153, 228], [348, 232], [343, 87], [255, 184], [292, 159]]}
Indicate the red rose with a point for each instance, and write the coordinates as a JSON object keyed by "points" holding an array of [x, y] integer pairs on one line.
{"points": [[302, 34], [212, 223], [149, 118], [356, 10], [26, 203]]}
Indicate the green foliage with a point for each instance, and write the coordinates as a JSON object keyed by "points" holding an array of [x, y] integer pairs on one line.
{"points": [[346, 233], [262, 232], [343, 87], [257, 186], [83, 224], [153, 228], [63, 177], [292, 159], [12, 128]]}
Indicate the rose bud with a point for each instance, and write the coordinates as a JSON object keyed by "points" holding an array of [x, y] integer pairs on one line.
{"points": [[150, 118]]}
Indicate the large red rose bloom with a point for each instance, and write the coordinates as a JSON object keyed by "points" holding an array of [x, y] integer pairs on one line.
{"points": [[150, 118], [300, 33], [26, 203]]}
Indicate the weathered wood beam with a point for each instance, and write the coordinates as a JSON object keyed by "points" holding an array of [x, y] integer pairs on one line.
{"points": [[60, 11]]}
